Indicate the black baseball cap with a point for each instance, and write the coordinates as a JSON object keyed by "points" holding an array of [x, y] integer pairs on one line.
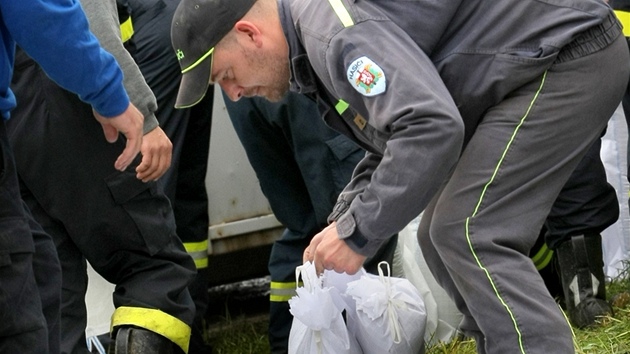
{"points": [[197, 27]]}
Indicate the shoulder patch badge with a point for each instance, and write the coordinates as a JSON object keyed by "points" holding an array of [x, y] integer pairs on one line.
{"points": [[366, 77]]}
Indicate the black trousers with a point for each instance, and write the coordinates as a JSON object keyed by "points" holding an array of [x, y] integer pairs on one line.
{"points": [[189, 131], [30, 275], [587, 204], [125, 228]]}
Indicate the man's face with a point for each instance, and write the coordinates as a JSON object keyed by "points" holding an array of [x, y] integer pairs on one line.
{"points": [[246, 72]]}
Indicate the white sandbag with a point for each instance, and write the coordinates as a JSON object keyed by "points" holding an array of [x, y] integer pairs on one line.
{"points": [[318, 326], [616, 238], [443, 317], [390, 316], [338, 284], [100, 307], [98, 300]]}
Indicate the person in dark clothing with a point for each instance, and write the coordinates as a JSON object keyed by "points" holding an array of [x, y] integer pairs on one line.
{"points": [[29, 269], [302, 166], [189, 131], [569, 249], [119, 221]]}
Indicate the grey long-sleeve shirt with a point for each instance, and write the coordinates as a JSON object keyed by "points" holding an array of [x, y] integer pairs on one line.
{"points": [[103, 18], [417, 77]]}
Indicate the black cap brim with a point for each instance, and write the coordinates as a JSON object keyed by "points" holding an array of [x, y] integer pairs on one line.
{"points": [[194, 84]]}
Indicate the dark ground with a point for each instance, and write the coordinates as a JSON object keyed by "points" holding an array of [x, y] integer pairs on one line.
{"points": [[249, 298]]}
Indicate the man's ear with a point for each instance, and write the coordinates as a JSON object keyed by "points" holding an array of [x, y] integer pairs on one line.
{"points": [[248, 31]]}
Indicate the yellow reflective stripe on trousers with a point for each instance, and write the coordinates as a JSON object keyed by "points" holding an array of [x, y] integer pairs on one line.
{"points": [[282, 291], [126, 30], [199, 252], [483, 192], [155, 321], [342, 12], [624, 18], [542, 258]]}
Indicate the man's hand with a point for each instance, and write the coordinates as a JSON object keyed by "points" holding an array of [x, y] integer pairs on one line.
{"points": [[157, 151], [130, 124], [327, 251]]}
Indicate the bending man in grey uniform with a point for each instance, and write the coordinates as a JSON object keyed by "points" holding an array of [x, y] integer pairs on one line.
{"points": [[469, 110]]}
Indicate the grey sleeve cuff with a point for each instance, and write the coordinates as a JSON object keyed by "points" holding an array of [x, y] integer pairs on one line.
{"points": [[349, 232], [339, 209], [150, 123]]}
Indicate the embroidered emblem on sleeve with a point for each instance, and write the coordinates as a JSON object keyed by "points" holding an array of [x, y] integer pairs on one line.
{"points": [[366, 77]]}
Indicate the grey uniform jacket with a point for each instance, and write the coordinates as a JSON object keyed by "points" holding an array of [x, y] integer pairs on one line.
{"points": [[414, 78], [107, 30]]}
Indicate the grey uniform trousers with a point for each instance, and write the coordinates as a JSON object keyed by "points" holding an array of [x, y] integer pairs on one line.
{"points": [[477, 232]]}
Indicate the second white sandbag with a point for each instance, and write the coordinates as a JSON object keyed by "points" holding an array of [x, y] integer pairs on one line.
{"points": [[389, 315]]}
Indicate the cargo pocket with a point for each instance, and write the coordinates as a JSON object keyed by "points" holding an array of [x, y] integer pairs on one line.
{"points": [[149, 209]]}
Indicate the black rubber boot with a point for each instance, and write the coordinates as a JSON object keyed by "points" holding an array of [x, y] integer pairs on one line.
{"points": [[581, 266], [132, 340]]}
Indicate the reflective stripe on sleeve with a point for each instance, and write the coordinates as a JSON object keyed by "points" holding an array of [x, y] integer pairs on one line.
{"points": [[126, 30], [342, 12], [624, 18]]}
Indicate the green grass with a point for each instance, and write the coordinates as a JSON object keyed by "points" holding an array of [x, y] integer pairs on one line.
{"points": [[612, 336], [240, 336]]}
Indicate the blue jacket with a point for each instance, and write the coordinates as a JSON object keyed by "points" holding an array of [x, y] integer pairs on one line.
{"points": [[55, 33]]}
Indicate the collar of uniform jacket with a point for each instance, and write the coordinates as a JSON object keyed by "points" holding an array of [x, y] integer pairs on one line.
{"points": [[302, 75]]}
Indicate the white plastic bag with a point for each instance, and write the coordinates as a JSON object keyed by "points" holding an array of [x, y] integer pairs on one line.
{"points": [[318, 326], [443, 318], [389, 314]]}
